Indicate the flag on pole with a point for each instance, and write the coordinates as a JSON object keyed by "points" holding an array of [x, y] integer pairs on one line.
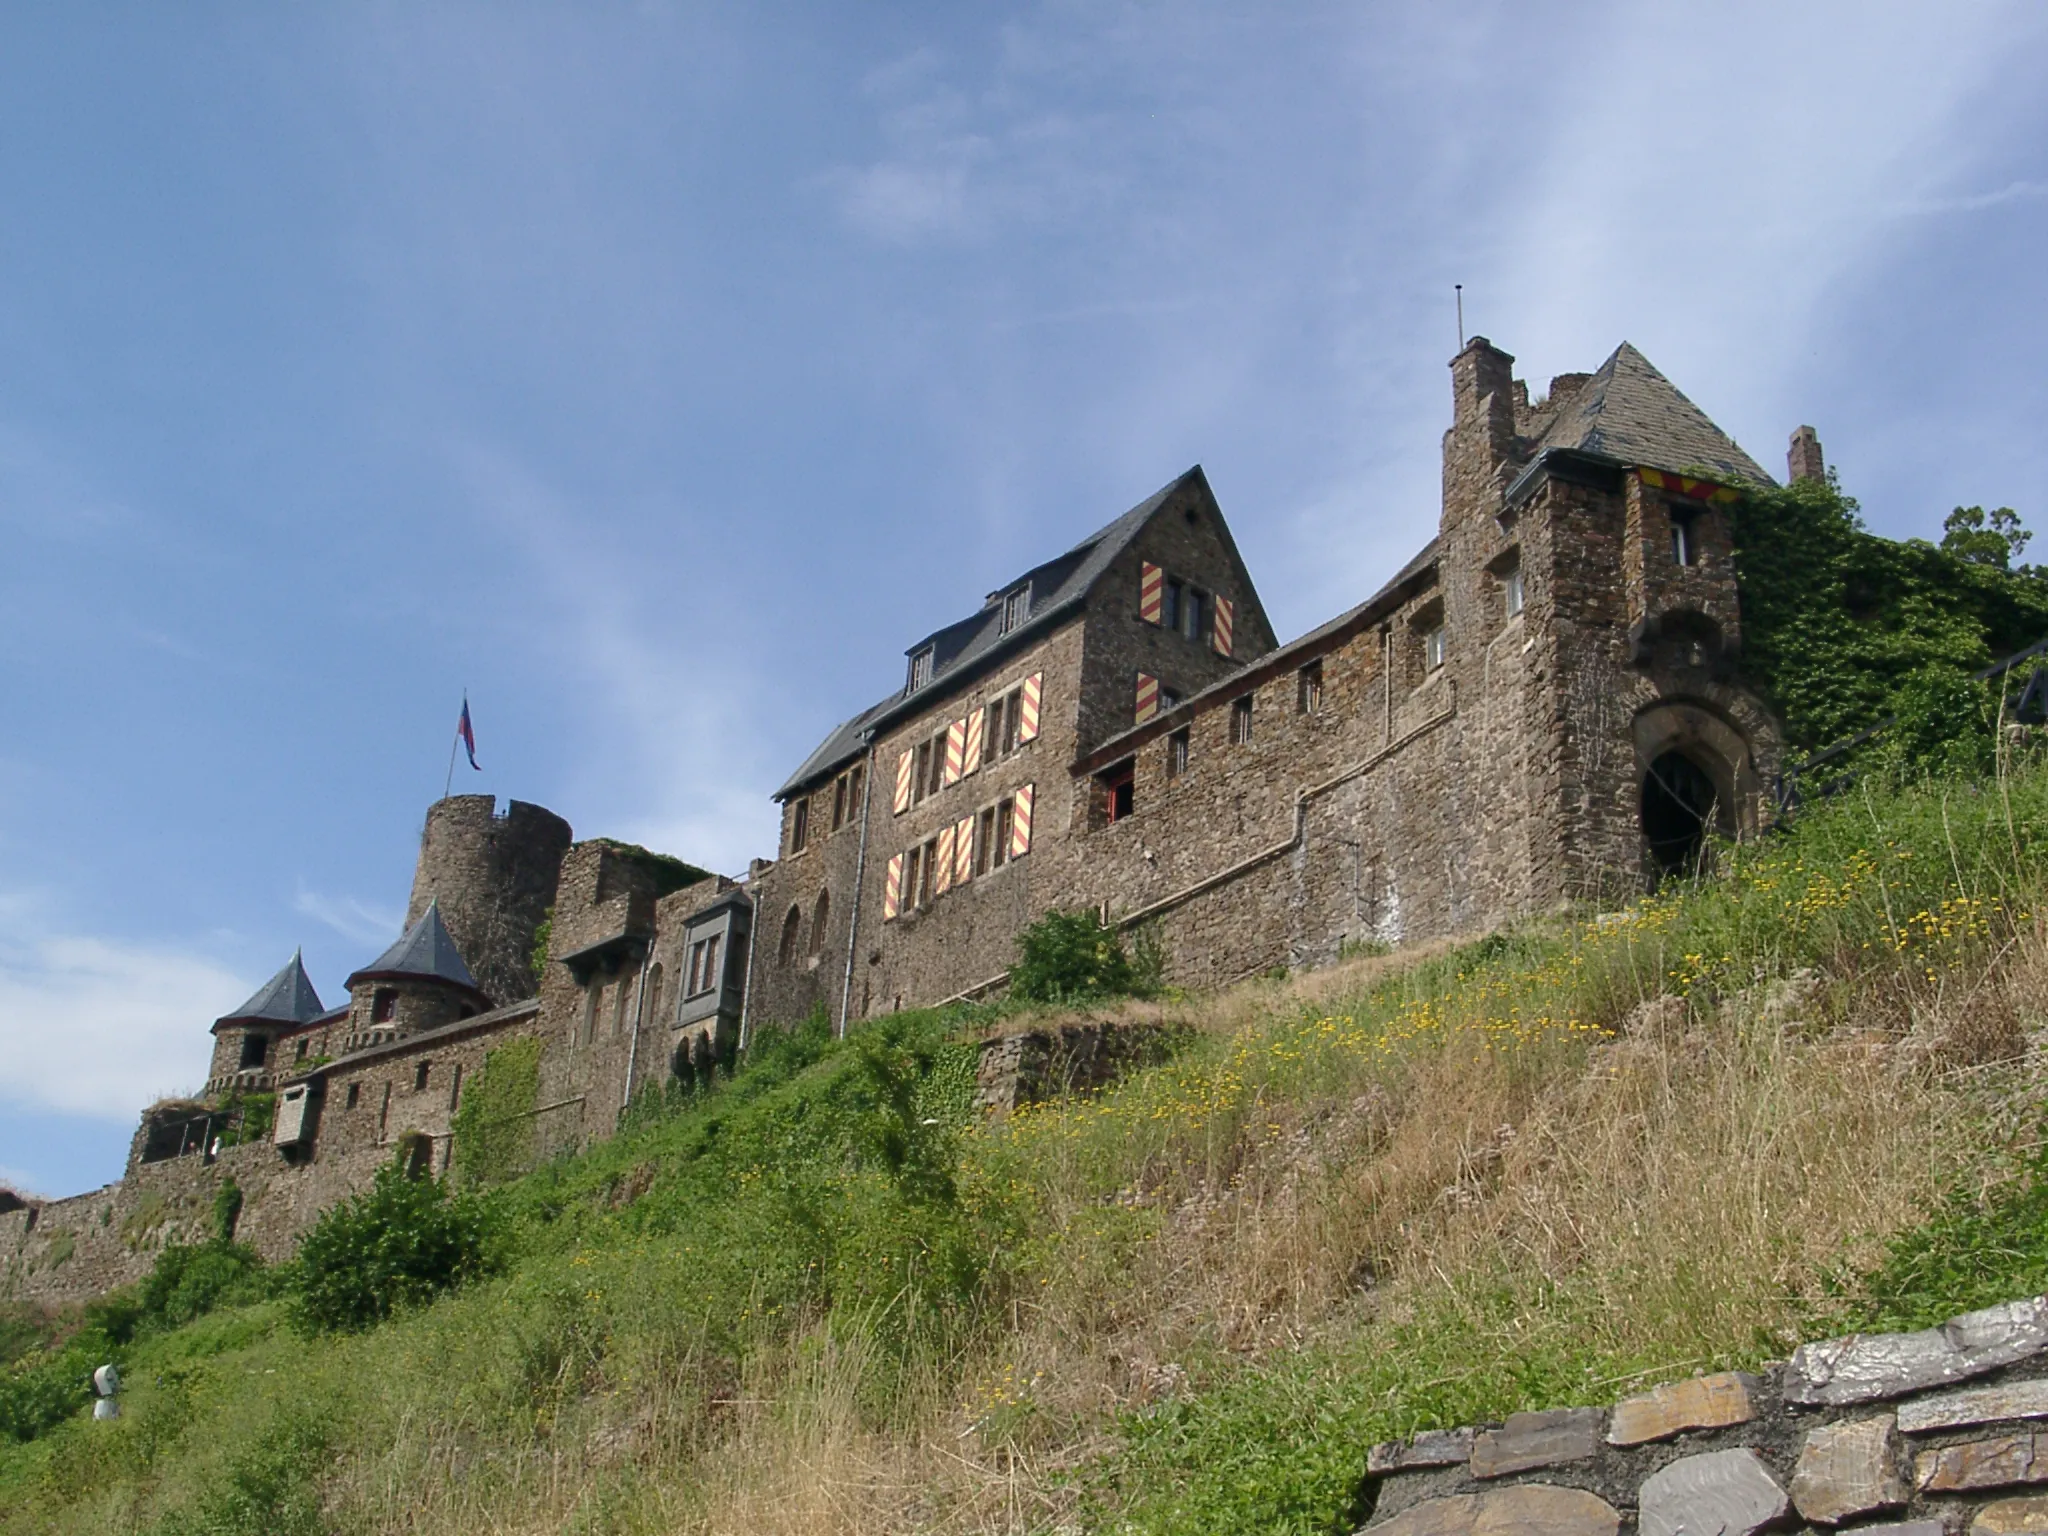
{"points": [[468, 735]]}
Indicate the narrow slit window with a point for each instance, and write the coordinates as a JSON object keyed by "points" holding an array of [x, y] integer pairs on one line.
{"points": [[1177, 753], [984, 840], [1684, 548], [799, 824], [1006, 811], [1513, 597], [1309, 689], [1433, 648]]}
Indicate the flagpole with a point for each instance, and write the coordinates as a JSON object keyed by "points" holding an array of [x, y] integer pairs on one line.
{"points": [[449, 782]]}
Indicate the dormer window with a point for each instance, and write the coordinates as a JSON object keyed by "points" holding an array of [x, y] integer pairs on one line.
{"points": [[921, 669], [1016, 607]]}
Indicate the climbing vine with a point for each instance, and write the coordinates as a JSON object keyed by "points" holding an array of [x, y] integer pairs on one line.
{"points": [[494, 1125], [1837, 622]]}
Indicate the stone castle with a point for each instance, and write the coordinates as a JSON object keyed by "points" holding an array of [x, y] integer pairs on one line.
{"points": [[1545, 704]]}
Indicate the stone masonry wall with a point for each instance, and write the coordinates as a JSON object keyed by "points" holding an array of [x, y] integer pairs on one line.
{"points": [[1915, 1434], [494, 877]]}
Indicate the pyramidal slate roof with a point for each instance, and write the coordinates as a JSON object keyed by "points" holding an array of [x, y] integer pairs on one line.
{"points": [[287, 998], [1630, 413], [424, 949], [1057, 587]]}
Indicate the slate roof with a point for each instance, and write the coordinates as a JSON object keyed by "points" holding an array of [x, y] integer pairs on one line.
{"points": [[424, 949], [1629, 413], [287, 998], [1057, 588]]}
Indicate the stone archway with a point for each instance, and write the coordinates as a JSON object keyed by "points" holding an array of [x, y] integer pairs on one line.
{"points": [[1696, 776], [1679, 805]]}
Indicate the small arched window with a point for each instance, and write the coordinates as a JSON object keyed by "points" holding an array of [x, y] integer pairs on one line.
{"points": [[792, 935], [821, 914]]}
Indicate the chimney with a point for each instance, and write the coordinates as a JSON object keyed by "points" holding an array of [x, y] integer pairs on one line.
{"points": [[1565, 387], [1483, 395], [1804, 460]]}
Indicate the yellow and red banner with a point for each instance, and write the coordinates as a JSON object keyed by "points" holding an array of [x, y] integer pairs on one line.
{"points": [[1686, 485]]}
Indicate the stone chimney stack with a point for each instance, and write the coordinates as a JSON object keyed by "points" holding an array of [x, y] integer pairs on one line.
{"points": [[1483, 396], [1804, 460]]}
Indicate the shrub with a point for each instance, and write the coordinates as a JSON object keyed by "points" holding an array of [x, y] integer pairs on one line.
{"points": [[1067, 956], [397, 1244]]}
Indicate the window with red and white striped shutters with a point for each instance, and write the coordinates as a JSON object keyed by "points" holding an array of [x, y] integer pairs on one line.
{"points": [[963, 850], [970, 751], [905, 766], [1151, 592], [1020, 824], [942, 870], [1225, 610], [956, 751]]}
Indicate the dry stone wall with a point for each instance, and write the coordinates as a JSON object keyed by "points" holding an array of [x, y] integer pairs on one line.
{"points": [[1904, 1434]]}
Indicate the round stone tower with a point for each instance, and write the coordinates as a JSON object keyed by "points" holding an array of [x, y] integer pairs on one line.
{"points": [[494, 876]]}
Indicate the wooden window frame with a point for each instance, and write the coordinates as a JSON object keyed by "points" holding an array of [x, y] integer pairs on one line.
{"points": [[1241, 721], [921, 667], [1177, 747], [1016, 608]]}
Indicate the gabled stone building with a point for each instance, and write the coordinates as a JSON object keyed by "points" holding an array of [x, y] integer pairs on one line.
{"points": [[1545, 704]]}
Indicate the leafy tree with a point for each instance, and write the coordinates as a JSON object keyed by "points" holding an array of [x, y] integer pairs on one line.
{"points": [[1067, 956], [1995, 538], [397, 1244]]}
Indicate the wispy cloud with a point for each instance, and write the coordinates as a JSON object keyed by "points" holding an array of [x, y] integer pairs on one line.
{"points": [[100, 1027], [1976, 202], [362, 922]]}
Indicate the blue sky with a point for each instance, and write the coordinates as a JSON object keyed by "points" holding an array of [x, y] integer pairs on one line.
{"points": [[658, 372]]}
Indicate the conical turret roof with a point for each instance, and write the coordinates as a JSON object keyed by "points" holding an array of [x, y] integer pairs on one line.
{"points": [[423, 950], [287, 998]]}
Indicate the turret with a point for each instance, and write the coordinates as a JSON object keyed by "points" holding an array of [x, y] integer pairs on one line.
{"points": [[419, 983], [245, 1040], [494, 876]]}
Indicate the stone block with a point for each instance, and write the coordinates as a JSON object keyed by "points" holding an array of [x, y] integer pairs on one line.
{"points": [[1431, 1448], [1532, 1509], [1531, 1440], [1722, 1493], [1900, 1528], [1861, 1368], [1977, 1405], [2008, 1517], [1847, 1469], [1990, 1463], [1705, 1402]]}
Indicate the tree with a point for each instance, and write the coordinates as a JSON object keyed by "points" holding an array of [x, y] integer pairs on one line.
{"points": [[1995, 538]]}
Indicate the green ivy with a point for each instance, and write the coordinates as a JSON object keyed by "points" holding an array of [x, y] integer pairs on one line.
{"points": [[494, 1125], [1836, 620]]}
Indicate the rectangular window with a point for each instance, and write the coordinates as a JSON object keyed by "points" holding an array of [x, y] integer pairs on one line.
{"points": [[839, 802], [1241, 721], [355, 1094], [799, 824], [1170, 606], [1177, 753], [927, 872], [254, 1048], [1006, 829], [1683, 549], [920, 670], [1192, 607], [1016, 608], [1308, 695], [1168, 699], [1433, 648], [1117, 787], [709, 979], [913, 862], [985, 841], [1512, 595], [693, 977], [419, 1077], [383, 1006], [1003, 725], [928, 763]]}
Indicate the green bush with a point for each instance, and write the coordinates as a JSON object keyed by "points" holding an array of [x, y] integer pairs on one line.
{"points": [[397, 1244], [1067, 956], [270, 1489]]}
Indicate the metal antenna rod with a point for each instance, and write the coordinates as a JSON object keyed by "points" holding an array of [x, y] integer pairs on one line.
{"points": [[1459, 289]]}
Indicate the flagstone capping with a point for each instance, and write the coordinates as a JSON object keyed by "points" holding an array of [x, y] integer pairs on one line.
{"points": [[1864, 1367]]}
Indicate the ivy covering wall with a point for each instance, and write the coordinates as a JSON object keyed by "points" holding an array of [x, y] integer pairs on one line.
{"points": [[1837, 621], [494, 1125]]}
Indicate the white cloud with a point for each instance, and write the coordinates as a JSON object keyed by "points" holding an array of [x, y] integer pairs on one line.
{"points": [[100, 1027], [361, 922]]}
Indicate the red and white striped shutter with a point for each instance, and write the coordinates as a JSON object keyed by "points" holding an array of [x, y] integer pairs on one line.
{"points": [[1148, 696], [1224, 612], [1151, 593], [942, 876], [904, 767], [1020, 824], [1027, 711], [956, 751], [970, 757], [892, 889], [963, 851]]}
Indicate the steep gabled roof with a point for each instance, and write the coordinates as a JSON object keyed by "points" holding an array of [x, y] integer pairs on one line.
{"points": [[1629, 413], [1058, 588], [424, 949], [287, 998]]}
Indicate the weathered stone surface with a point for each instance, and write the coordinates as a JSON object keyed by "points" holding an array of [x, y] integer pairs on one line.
{"points": [[1530, 1440], [2010, 1516], [1431, 1448], [1705, 1402], [1990, 1463], [1978, 1405], [1900, 1528], [1723, 1493], [1533, 1509], [1863, 1367], [1847, 1469]]}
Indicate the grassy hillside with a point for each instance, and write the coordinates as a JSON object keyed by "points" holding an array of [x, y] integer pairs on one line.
{"points": [[1540, 1168]]}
